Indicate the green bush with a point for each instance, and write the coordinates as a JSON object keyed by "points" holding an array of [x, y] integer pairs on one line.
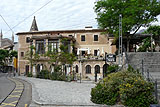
{"points": [[58, 76], [29, 74], [126, 87], [44, 74], [111, 69]]}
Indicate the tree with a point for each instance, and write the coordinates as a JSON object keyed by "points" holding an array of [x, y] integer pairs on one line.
{"points": [[4, 56], [60, 57], [155, 31], [135, 13], [146, 45]]}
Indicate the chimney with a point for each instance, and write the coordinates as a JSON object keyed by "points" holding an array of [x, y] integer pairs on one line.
{"points": [[88, 28]]}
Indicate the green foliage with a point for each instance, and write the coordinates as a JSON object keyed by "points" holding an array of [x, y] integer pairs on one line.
{"points": [[127, 87], [155, 30], [13, 54], [44, 74], [112, 68], [135, 14], [4, 56], [146, 45], [58, 76], [32, 56], [30, 74]]}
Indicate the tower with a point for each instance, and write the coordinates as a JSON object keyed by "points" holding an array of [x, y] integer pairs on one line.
{"points": [[34, 25], [12, 37]]}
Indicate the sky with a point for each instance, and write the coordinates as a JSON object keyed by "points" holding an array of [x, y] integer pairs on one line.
{"points": [[57, 14], [50, 15]]}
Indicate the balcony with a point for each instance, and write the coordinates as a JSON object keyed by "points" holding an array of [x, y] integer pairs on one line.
{"points": [[90, 57]]}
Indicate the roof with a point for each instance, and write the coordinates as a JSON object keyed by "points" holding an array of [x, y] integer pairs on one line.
{"points": [[62, 31], [34, 26], [6, 43]]}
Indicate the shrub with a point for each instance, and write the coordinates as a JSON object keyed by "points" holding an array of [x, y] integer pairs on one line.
{"points": [[58, 76], [44, 74], [29, 74], [127, 87], [111, 69]]}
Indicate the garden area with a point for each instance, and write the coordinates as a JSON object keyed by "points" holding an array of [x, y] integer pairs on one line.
{"points": [[126, 87]]}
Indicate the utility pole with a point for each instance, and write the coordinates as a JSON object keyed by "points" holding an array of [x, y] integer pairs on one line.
{"points": [[120, 40]]}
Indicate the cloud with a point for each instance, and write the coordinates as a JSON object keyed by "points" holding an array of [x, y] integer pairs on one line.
{"points": [[66, 14]]}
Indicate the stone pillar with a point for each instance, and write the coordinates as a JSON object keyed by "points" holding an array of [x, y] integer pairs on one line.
{"points": [[34, 70], [46, 47]]}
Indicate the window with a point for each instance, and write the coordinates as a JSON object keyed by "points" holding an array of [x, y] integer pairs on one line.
{"points": [[76, 68], [97, 69], [88, 69], [40, 47], [95, 52], [22, 54], [82, 37], [95, 37], [70, 35], [53, 45], [27, 39], [83, 53]]}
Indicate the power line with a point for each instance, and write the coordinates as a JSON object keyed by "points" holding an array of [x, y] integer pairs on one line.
{"points": [[6, 23], [30, 15]]}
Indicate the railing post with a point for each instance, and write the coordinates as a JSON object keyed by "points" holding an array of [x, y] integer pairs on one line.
{"points": [[148, 75], [156, 91], [80, 77], [142, 68]]}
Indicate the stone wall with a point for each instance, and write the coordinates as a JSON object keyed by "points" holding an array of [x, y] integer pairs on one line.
{"points": [[151, 61]]}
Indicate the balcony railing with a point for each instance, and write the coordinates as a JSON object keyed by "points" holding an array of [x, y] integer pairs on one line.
{"points": [[90, 57]]}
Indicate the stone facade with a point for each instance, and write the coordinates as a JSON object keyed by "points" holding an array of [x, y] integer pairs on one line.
{"points": [[90, 46]]}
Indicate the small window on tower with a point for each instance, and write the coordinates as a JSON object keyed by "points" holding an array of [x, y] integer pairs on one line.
{"points": [[22, 54], [27, 39]]}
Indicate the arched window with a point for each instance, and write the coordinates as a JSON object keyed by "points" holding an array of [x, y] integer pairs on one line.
{"points": [[88, 69], [76, 68], [97, 68]]}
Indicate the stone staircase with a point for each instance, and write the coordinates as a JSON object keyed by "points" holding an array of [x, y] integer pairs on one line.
{"points": [[151, 63]]}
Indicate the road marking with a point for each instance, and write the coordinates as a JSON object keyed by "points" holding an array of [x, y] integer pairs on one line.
{"points": [[17, 91], [9, 104], [11, 96]]}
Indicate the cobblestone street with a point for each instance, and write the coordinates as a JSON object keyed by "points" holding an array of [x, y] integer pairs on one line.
{"points": [[48, 92]]}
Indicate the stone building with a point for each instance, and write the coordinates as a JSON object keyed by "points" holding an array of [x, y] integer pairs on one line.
{"points": [[6, 43], [90, 46]]}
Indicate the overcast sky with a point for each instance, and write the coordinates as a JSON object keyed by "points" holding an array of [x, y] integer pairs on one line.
{"points": [[58, 14]]}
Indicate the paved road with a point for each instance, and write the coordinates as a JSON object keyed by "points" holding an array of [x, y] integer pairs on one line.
{"points": [[6, 86], [15, 92]]}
